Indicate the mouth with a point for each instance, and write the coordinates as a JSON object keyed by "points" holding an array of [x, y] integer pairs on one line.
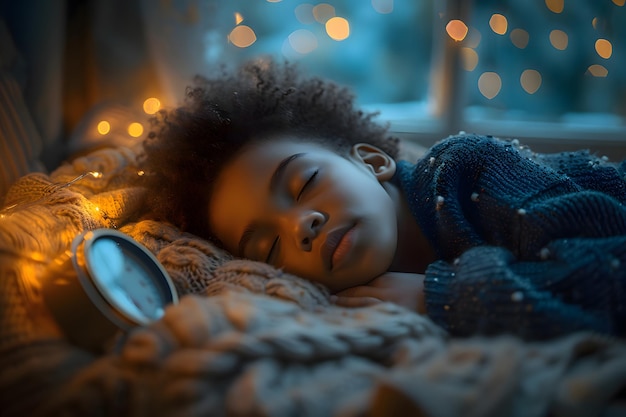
{"points": [[336, 246]]}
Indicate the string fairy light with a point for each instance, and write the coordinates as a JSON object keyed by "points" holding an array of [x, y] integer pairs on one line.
{"points": [[50, 190], [55, 187]]}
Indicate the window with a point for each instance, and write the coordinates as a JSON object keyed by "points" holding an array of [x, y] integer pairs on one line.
{"points": [[540, 70], [553, 64], [381, 48]]}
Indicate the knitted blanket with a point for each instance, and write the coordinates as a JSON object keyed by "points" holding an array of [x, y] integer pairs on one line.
{"points": [[247, 339]]}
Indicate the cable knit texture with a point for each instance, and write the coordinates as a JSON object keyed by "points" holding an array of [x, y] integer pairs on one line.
{"points": [[247, 339], [531, 244]]}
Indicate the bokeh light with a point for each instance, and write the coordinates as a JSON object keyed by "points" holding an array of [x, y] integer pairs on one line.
{"points": [[555, 6], [338, 28], [520, 38], [323, 12], [498, 24], [489, 84], [457, 30], [597, 70], [383, 6], [104, 127], [598, 23], [242, 36], [530, 80], [135, 129], [469, 59], [302, 41], [472, 40], [559, 39], [151, 105], [604, 48], [304, 13]]}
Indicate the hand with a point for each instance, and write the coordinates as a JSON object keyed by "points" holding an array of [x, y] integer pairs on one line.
{"points": [[404, 289]]}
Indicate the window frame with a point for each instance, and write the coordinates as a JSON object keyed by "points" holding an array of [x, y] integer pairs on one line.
{"points": [[447, 103]]}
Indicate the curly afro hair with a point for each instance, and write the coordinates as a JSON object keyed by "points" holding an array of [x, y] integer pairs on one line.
{"points": [[189, 145]]}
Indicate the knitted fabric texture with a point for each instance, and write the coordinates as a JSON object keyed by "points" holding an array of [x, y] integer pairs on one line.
{"points": [[532, 244], [248, 339]]}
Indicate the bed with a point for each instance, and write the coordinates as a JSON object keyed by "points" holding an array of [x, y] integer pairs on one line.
{"points": [[245, 339], [248, 339]]}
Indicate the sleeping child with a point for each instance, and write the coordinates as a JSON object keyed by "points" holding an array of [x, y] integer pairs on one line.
{"points": [[481, 234]]}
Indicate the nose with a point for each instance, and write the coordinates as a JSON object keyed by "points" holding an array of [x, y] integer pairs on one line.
{"points": [[307, 226]]}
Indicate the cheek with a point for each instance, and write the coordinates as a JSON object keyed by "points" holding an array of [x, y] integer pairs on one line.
{"points": [[224, 222]]}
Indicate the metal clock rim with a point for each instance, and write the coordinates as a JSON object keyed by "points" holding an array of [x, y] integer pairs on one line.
{"points": [[94, 289]]}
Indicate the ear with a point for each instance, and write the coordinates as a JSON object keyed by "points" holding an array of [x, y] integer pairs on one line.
{"points": [[381, 164]]}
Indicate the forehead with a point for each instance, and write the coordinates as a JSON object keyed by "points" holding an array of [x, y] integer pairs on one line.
{"points": [[277, 149], [260, 157]]}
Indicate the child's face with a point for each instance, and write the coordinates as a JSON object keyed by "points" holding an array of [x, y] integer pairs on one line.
{"points": [[304, 208]]}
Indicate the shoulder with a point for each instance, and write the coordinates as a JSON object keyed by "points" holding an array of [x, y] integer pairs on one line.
{"points": [[473, 153], [471, 144]]}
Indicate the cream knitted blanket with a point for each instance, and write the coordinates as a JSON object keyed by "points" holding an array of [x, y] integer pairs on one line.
{"points": [[250, 340]]}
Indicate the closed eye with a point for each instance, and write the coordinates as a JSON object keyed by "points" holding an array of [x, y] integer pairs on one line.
{"points": [[307, 184], [273, 252]]}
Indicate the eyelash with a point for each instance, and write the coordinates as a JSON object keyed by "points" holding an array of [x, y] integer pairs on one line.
{"points": [[306, 184], [272, 249]]}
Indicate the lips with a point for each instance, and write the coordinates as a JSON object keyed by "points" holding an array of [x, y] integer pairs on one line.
{"points": [[335, 247]]}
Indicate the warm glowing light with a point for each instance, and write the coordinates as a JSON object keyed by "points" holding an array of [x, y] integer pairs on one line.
{"points": [[302, 41], [338, 28], [30, 278], [530, 80], [489, 84], [555, 6], [104, 127], [457, 30], [559, 39], [598, 23], [242, 36], [151, 105], [135, 129], [498, 24], [238, 18], [619, 2], [597, 70], [383, 6], [141, 173], [469, 59], [604, 48], [304, 13], [323, 12], [95, 174], [520, 38]]}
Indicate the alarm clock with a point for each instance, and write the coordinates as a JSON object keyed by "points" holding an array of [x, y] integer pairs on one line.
{"points": [[104, 286]]}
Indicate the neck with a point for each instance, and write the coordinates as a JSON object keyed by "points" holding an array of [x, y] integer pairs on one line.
{"points": [[413, 253]]}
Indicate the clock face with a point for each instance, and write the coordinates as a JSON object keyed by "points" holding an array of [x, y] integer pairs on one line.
{"points": [[127, 276]]}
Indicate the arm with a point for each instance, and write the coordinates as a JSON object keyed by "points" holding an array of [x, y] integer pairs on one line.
{"points": [[405, 289], [580, 285]]}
